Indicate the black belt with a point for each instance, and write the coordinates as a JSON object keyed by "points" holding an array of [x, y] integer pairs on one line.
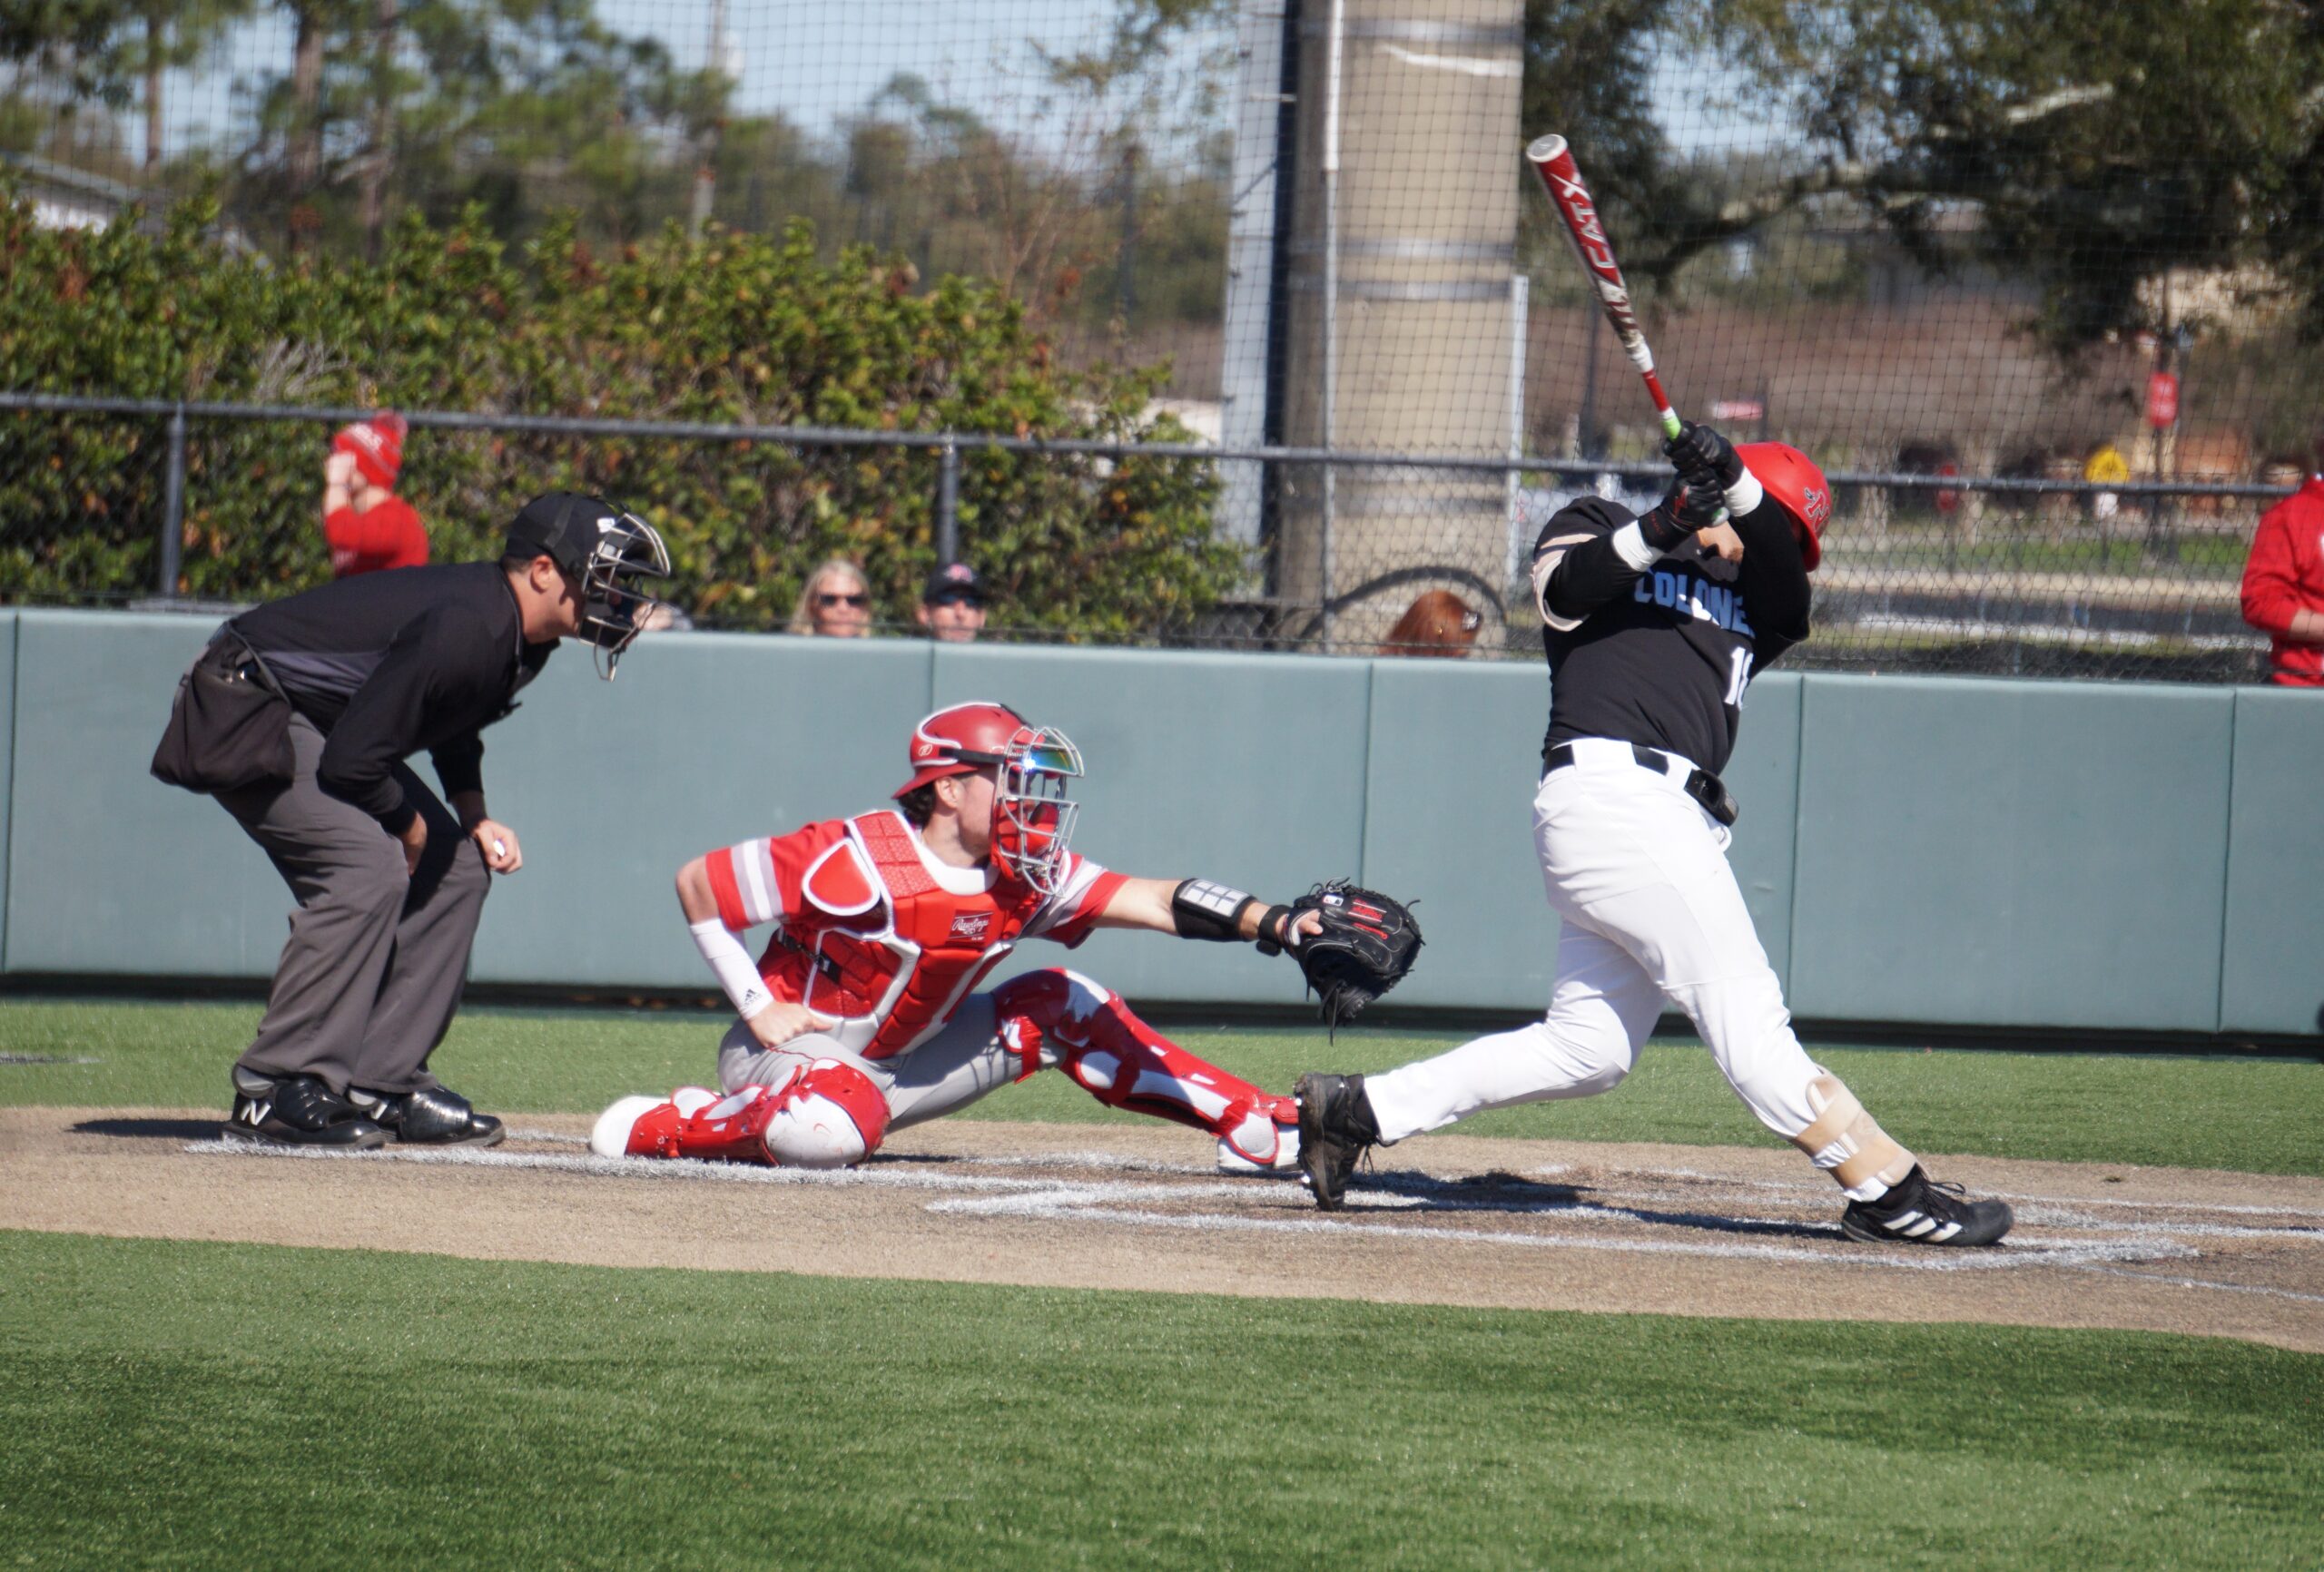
{"points": [[1699, 784]]}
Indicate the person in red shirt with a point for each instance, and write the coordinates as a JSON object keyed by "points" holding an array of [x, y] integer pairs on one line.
{"points": [[368, 526], [2283, 583], [865, 1012]]}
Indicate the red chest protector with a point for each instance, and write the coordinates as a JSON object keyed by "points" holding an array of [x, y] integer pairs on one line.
{"points": [[884, 949]]}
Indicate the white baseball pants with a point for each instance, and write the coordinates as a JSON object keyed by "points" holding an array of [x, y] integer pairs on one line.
{"points": [[1637, 871]]}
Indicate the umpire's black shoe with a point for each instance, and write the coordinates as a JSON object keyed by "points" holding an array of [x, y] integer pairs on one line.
{"points": [[1921, 1211], [431, 1116], [1335, 1128], [298, 1111]]}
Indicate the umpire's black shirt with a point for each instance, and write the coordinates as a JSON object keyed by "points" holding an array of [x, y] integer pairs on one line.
{"points": [[387, 663]]}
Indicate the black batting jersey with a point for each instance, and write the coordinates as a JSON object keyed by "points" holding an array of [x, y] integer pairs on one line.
{"points": [[1666, 662]]}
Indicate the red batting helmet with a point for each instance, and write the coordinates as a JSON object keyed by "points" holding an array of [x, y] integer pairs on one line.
{"points": [[1792, 478]]}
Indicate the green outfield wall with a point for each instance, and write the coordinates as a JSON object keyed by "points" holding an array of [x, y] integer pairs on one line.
{"points": [[1914, 851]]}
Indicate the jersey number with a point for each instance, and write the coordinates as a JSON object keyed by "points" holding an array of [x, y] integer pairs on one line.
{"points": [[1739, 676]]}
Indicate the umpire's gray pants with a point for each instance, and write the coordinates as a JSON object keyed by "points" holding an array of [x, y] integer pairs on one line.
{"points": [[373, 969]]}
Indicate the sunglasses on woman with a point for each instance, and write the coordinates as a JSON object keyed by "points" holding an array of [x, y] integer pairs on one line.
{"points": [[857, 600]]}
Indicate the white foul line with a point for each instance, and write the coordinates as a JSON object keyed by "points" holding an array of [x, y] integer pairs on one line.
{"points": [[1100, 1201]]}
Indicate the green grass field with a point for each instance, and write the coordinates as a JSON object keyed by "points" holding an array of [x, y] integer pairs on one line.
{"points": [[205, 1405], [2258, 1115], [222, 1406]]}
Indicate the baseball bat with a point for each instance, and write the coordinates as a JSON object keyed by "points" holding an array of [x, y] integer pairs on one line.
{"points": [[1553, 159]]}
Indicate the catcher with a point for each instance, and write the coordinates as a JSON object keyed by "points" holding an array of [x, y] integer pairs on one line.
{"points": [[863, 1016]]}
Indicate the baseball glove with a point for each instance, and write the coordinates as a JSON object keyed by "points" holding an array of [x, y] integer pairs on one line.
{"points": [[1368, 943]]}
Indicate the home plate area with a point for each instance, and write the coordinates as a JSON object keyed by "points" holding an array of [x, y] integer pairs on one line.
{"points": [[1465, 1203]]}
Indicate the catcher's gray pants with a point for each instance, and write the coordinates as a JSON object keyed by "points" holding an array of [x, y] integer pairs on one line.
{"points": [[375, 960], [960, 1064]]}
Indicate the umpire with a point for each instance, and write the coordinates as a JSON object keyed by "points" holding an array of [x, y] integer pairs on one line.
{"points": [[298, 718]]}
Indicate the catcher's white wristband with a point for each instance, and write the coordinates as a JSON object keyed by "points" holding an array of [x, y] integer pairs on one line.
{"points": [[733, 967]]}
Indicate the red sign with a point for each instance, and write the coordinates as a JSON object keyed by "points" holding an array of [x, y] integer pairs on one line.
{"points": [[1738, 409], [2161, 399]]}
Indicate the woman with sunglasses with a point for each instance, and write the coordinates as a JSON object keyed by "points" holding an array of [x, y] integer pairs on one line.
{"points": [[836, 603]]}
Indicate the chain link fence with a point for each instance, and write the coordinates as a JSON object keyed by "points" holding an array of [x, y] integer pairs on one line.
{"points": [[155, 504]]}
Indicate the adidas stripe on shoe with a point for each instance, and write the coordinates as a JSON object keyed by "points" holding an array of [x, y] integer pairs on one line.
{"points": [[1919, 1210]]}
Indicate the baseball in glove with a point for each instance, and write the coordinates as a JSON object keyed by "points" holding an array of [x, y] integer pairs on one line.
{"points": [[1369, 941]]}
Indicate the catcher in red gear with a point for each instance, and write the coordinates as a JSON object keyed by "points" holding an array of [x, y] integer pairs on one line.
{"points": [[863, 1013]]}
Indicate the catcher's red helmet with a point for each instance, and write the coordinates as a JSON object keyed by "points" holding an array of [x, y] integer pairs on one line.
{"points": [[961, 740], [1032, 816], [1792, 478]]}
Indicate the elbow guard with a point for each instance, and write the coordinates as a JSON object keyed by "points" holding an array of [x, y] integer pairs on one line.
{"points": [[1202, 909]]}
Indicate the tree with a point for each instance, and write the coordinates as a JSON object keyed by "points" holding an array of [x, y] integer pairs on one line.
{"points": [[114, 52], [2101, 143], [732, 330]]}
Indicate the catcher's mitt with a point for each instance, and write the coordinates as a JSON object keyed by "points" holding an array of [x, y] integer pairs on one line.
{"points": [[1368, 943]]}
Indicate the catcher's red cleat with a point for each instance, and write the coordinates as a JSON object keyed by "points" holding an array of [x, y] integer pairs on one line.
{"points": [[647, 1126]]}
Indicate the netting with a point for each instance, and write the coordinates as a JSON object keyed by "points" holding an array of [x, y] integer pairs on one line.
{"points": [[1934, 247]]}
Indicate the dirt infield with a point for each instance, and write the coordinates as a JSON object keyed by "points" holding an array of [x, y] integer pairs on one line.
{"points": [[1531, 1224]]}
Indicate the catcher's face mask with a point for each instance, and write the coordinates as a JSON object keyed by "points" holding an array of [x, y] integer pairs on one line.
{"points": [[613, 614], [1032, 817]]}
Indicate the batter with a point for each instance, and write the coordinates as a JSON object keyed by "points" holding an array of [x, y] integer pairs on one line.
{"points": [[1654, 628], [862, 1015]]}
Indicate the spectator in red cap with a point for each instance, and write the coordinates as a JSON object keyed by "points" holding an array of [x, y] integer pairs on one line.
{"points": [[368, 526], [2283, 582]]}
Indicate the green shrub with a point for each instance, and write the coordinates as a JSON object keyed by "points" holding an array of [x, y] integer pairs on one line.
{"points": [[732, 329]]}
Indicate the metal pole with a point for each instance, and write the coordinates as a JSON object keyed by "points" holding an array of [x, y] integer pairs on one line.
{"points": [[705, 172], [1586, 443], [1331, 304], [1126, 273], [1519, 295], [948, 505], [173, 506]]}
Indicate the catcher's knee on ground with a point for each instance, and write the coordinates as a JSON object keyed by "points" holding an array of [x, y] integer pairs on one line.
{"points": [[1063, 1018], [825, 1113], [1848, 1142]]}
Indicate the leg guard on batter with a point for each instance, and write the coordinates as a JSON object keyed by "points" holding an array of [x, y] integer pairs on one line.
{"points": [[1062, 1018], [827, 1114], [1849, 1143]]}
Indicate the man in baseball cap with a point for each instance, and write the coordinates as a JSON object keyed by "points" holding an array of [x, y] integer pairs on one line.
{"points": [[298, 719], [600, 549], [951, 606]]}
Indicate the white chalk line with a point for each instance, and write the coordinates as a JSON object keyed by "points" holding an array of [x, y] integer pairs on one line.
{"points": [[2226, 1208], [1070, 1207], [2062, 1216], [1109, 1200], [2197, 1282], [550, 1137], [1102, 1202], [1441, 1194], [617, 1168]]}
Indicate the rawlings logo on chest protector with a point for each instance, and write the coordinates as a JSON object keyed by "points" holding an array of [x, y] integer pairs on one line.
{"points": [[890, 987]]}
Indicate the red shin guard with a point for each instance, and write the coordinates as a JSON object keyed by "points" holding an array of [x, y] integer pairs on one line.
{"points": [[1118, 1060]]}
